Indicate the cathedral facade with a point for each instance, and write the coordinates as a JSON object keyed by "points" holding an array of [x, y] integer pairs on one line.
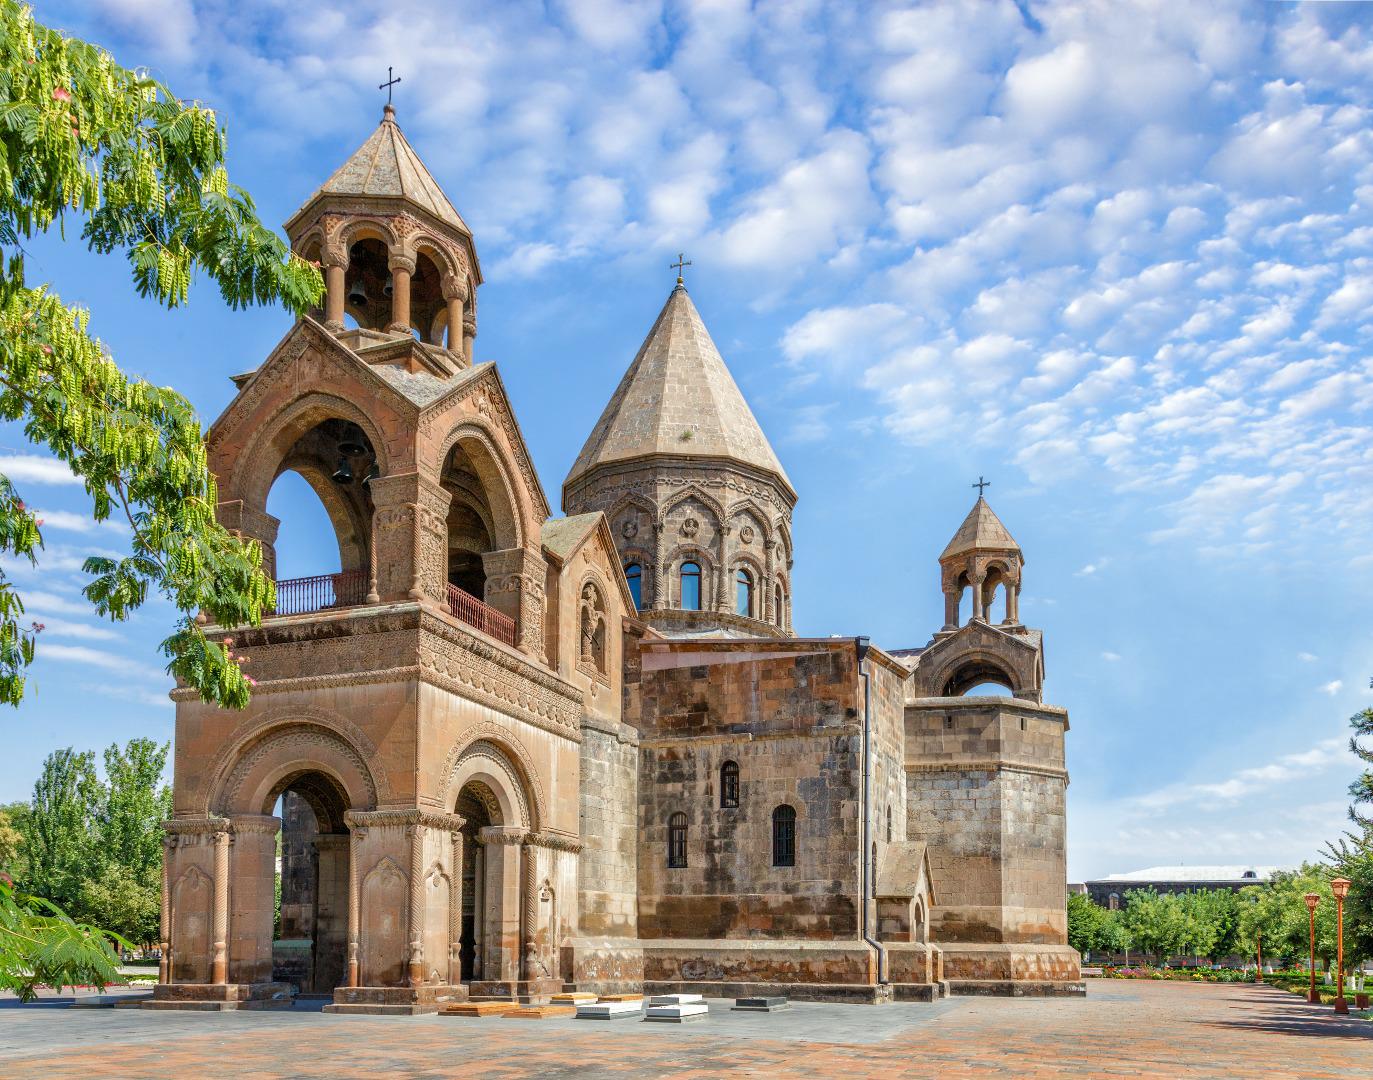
{"points": [[503, 754]]}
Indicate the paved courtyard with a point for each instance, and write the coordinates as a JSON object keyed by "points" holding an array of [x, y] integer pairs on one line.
{"points": [[1121, 1029]]}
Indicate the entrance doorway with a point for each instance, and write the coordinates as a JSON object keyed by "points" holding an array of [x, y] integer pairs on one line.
{"points": [[478, 806], [310, 931]]}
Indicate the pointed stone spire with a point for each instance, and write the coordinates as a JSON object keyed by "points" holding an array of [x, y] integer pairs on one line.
{"points": [[387, 167], [678, 400], [981, 531]]}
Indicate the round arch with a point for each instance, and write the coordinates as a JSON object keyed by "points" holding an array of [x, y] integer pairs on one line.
{"points": [[504, 769], [691, 491], [971, 670], [509, 506]]}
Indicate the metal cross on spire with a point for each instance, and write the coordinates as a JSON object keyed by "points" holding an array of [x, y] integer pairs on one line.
{"points": [[679, 265], [391, 80], [981, 485]]}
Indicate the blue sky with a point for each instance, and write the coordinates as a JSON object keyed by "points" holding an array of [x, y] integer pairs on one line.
{"points": [[1117, 257]]}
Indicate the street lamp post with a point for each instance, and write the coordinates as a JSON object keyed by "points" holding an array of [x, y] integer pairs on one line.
{"points": [[1340, 887], [1312, 899]]}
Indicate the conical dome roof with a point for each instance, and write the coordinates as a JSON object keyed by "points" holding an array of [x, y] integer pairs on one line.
{"points": [[386, 166], [981, 531], [678, 399]]}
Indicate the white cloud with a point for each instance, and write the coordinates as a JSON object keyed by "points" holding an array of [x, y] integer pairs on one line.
{"points": [[1333, 687], [1307, 657], [36, 469], [82, 523], [1247, 783], [1111, 657]]}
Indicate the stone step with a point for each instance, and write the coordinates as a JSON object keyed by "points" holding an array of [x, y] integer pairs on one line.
{"points": [[540, 1012], [572, 997], [620, 997], [610, 1010], [760, 1004], [479, 1008], [675, 999]]}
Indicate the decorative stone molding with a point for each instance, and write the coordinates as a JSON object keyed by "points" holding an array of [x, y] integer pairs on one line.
{"points": [[501, 834], [247, 824], [403, 819], [196, 826], [508, 757], [554, 842]]}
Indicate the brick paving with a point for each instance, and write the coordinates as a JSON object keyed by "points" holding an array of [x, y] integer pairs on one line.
{"points": [[1122, 1029]]}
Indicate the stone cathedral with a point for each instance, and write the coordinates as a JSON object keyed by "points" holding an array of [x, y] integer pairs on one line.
{"points": [[501, 754]]}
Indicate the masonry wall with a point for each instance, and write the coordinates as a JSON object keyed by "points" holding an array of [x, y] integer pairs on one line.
{"points": [[985, 786], [789, 714]]}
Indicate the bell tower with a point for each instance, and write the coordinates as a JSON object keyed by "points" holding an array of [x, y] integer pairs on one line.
{"points": [[398, 258]]}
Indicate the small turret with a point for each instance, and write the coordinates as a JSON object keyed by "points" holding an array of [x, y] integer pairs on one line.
{"points": [[982, 556]]}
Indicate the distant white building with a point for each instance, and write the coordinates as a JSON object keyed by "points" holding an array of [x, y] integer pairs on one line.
{"points": [[1110, 891]]}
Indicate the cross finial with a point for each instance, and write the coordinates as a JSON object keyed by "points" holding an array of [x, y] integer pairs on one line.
{"points": [[981, 485], [391, 80], [681, 263]]}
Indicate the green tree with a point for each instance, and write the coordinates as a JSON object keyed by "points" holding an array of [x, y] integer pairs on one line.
{"points": [[1362, 788], [83, 138], [11, 840], [136, 804], [1155, 923], [1084, 920], [120, 900], [60, 842]]}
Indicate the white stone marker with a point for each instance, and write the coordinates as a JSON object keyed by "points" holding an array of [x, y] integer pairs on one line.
{"points": [[678, 1014], [609, 1010], [675, 999]]}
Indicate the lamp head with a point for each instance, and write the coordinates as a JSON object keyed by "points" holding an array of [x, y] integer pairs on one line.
{"points": [[1312, 900], [1340, 887]]}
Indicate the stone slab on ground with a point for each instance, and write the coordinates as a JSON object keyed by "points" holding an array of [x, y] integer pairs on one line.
{"points": [[619, 997], [610, 1010], [479, 1008], [540, 1012], [678, 1014], [760, 1004], [675, 999], [573, 997]]}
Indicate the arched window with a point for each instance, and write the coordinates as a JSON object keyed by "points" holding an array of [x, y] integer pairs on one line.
{"points": [[634, 574], [743, 593], [729, 784], [784, 836], [676, 840], [889, 824], [691, 586]]}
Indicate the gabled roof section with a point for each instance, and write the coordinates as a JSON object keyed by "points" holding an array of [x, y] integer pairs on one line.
{"points": [[981, 531], [562, 536], [386, 166], [678, 399]]}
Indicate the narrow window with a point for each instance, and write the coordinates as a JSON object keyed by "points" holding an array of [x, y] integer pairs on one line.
{"points": [[729, 784], [676, 840], [743, 593], [889, 824], [691, 586], [784, 836], [634, 574], [778, 615]]}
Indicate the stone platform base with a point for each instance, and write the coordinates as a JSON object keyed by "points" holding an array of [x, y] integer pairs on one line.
{"points": [[920, 991], [1012, 988], [852, 993], [525, 991], [219, 997], [394, 1000], [1006, 969]]}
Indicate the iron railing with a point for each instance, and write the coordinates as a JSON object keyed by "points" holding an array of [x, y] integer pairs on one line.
{"points": [[297, 596], [484, 617]]}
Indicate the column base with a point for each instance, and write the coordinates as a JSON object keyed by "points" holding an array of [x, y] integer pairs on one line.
{"points": [[220, 997], [525, 991], [394, 1000]]}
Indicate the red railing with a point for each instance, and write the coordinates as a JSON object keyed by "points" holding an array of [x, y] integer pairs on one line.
{"points": [[485, 618], [296, 596]]}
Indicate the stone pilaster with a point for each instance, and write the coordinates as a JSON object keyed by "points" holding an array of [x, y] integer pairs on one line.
{"points": [[410, 527]]}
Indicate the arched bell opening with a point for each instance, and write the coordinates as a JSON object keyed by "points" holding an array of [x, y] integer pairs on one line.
{"points": [[427, 302], [977, 674], [481, 518], [336, 460], [368, 285], [310, 931]]}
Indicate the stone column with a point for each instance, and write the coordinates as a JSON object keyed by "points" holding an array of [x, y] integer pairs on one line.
{"points": [[410, 537], [529, 889], [219, 964], [253, 871], [164, 963], [469, 333], [660, 589], [401, 267], [502, 902], [978, 614], [334, 294], [1013, 603], [951, 609], [355, 836], [515, 587], [416, 922]]}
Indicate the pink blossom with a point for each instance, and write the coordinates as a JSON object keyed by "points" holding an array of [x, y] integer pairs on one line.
{"points": [[61, 93]]}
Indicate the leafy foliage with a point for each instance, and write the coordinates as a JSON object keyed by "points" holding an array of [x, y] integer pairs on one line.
{"points": [[1362, 788], [40, 945], [82, 137]]}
